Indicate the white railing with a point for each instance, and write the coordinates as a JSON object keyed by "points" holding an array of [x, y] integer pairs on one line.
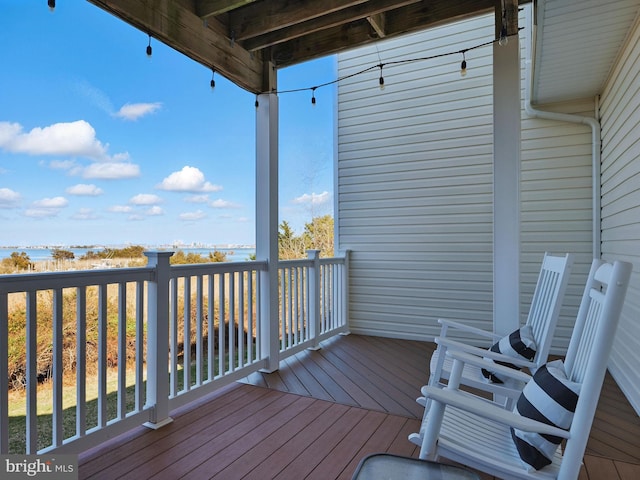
{"points": [[108, 350], [312, 301], [210, 354]]}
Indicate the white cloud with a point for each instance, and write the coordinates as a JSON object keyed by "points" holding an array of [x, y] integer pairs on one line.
{"points": [[63, 164], [313, 199], [219, 203], [84, 214], [192, 216], [41, 212], [51, 203], [95, 96], [197, 199], [134, 111], [120, 209], [189, 179], [8, 132], [46, 207], [145, 199], [84, 189], [111, 171], [120, 157], [71, 138], [155, 210], [9, 198]]}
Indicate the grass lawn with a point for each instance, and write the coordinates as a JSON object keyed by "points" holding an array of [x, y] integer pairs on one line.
{"points": [[18, 405], [18, 408]]}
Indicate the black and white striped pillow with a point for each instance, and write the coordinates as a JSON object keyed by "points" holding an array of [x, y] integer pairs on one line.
{"points": [[551, 398], [518, 344]]}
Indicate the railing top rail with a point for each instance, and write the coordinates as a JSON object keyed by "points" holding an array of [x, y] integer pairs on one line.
{"points": [[332, 261], [216, 267], [301, 262], [23, 282]]}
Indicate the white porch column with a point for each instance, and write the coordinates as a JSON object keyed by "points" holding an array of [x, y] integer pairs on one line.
{"points": [[506, 174], [267, 225], [158, 341]]}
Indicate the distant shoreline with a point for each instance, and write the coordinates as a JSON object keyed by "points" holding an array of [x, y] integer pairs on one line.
{"points": [[236, 253]]}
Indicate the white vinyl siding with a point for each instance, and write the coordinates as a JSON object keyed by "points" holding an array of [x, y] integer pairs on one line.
{"points": [[415, 187], [415, 182], [620, 113]]}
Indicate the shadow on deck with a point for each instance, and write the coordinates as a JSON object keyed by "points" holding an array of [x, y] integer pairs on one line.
{"points": [[318, 416]]}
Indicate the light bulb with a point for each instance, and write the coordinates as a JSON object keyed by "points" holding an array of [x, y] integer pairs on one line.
{"points": [[463, 68], [504, 38], [149, 49], [381, 83], [213, 82], [52, 5]]}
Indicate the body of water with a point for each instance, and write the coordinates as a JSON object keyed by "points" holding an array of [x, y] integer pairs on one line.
{"points": [[44, 254]]}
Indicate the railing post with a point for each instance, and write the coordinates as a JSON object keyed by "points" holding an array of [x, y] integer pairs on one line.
{"points": [[158, 341], [314, 298], [345, 292]]}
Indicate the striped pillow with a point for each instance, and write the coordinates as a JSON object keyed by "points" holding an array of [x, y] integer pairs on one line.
{"points": [[518, 344], [551, 398]]}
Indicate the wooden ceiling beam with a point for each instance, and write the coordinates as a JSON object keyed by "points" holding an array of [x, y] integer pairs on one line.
{"points": [[351, 14], [211, 8], [267, 16], [377, 22], [176, 24]]}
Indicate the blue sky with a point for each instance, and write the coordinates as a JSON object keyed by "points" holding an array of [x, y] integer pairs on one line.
{"points": [[100, 145]]}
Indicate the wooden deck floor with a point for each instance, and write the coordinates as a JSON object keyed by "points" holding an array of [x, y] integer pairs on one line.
{"points": [[318, 416]]}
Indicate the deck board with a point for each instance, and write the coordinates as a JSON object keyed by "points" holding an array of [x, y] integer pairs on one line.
{"points": [[323, 411]]}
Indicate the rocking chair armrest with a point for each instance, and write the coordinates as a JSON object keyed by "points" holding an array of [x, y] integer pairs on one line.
{"points": [[495, 413], [467, 328], [453, 345], [477, 360]]}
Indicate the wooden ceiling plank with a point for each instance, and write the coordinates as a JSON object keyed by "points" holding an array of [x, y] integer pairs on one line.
{"points": [[211, 8], [269, 15], [377, 21], [180, 28], [327, 41], [357, 12], [437, 12], [408, 19]]}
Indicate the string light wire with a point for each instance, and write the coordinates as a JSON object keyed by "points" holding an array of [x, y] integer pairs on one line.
{"points": [[380, 66]]}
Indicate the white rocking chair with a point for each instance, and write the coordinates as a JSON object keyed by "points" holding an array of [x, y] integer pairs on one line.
{"points": [[478, 434], [543, 317]]}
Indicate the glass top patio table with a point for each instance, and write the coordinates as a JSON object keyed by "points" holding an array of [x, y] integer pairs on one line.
{"points": [[386, 466]]}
